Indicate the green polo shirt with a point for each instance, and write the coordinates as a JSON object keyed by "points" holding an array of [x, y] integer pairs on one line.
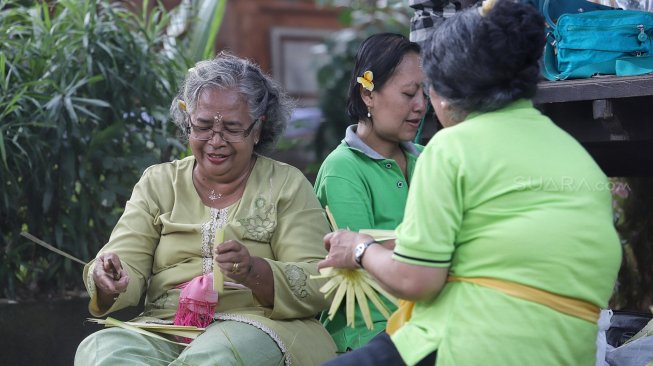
{"points": [[507, 195], [363, 190]]}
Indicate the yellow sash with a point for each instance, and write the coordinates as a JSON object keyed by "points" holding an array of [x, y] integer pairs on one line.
{"points": [[400, 316], [566, 305]]}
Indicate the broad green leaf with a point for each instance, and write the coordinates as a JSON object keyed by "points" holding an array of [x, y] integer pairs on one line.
{"points": [[103, 137], [94, 102], [5, 78], [86, 112], [69, 107], [3, 150], [205, 28], [46, 15]]}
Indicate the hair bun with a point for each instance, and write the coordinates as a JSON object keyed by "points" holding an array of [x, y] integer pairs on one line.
{"points": [[483, 58], [516, 30]]}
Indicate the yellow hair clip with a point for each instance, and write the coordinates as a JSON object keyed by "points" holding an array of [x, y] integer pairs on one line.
{"points": [[366, 80], [486, 7], [181, 104]]}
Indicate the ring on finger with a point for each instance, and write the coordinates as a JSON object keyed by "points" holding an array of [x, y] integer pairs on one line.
{"points": [[234, 268]]}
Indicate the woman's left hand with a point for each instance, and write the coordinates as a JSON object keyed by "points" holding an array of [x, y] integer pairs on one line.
{"points": [[233, 259]]}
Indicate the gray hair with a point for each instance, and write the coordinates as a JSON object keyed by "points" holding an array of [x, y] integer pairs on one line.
{"points": [[264, 96]]}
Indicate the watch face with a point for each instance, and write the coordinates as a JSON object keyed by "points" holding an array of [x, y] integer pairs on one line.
{"points": [[358, 251]]}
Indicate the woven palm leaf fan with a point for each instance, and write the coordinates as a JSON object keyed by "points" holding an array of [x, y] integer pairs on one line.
{"points": [[354, 286]]}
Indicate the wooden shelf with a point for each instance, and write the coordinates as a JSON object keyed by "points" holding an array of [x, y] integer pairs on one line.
{"points": [[602, 87], [621, 141]]}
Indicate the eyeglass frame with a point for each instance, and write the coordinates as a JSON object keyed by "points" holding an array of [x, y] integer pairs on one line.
{"points": [[245, 132]]}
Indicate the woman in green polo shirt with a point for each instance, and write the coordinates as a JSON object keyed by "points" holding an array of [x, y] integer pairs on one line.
{"points": [[365, 180], [507, 247]]}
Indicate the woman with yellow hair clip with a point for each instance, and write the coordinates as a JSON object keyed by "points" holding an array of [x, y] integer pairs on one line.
{"points": [[364, 181]]}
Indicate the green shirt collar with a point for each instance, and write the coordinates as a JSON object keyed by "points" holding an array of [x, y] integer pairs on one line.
{"points": [[354, 142]]}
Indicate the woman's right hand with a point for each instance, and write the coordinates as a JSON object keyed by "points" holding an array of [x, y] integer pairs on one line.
{"points": [[340, 245], [109, 276]]}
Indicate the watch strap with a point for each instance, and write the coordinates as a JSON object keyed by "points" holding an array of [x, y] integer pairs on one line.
{"points": [[365, 245]]}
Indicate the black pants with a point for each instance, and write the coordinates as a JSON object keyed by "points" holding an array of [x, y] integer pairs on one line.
{"points": [[380, 351]]}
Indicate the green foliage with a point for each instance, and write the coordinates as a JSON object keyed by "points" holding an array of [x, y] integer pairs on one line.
{"points": [[362, 18], [632, 200], [85, 88], [198, 22], [207, 23]]}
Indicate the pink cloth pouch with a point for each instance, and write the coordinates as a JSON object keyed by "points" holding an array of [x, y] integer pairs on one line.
{"points": [[197, 302]]}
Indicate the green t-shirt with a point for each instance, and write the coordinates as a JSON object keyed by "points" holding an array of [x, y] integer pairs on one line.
{"points": [[363, 190], [507, 195]]}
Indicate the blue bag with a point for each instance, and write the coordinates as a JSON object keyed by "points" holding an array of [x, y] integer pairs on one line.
{"points": [[608, 42], [556, 8]]}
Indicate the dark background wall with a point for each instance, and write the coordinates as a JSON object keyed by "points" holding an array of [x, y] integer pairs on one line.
{"points": [[47, 332]]}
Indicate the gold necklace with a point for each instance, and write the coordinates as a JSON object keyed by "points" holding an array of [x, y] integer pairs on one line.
{"points": [[213, 196]]}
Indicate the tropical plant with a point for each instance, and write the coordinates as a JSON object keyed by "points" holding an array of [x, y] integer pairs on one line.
{"points": [[362, 19], [632, 199], [197, 24], [85, 89]]}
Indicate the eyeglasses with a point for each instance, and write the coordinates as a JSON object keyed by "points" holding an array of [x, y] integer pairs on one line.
{"points": [[227, 134]]}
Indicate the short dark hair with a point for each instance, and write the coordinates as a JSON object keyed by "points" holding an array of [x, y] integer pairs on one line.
{"points": [[380, 53], [482, 63]]}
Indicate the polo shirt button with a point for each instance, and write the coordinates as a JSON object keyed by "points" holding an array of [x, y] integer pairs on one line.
{"points": [[388, 165], [400, 184]]}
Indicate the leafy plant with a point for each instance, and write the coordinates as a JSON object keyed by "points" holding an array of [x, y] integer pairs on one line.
{"points": [[208, 19], [85, 89], [632, 198]]}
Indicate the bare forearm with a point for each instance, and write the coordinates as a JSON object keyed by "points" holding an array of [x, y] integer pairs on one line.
{"points": [[405, 281]]}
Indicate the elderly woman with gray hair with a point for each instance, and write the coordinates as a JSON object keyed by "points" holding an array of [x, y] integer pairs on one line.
{"points": [[226, 207]]}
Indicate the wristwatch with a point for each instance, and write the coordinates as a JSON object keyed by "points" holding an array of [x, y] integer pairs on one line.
{"points": [[360, 249]]}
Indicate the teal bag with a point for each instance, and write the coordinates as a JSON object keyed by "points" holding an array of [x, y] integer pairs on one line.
{"points": [[606, 42], [558, 7]]}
